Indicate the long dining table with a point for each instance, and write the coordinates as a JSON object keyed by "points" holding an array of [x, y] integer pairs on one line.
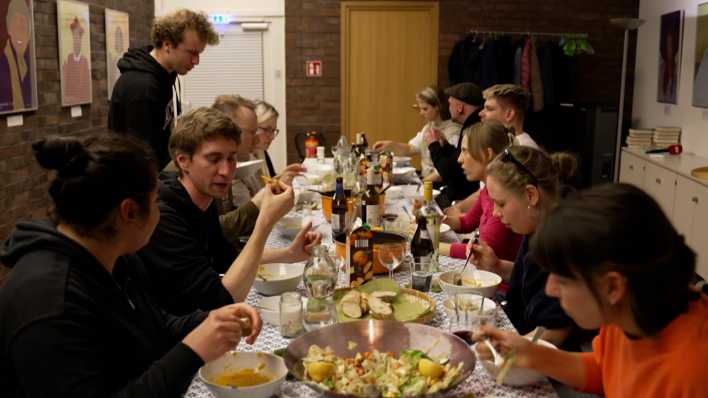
{"points": [[479, 384]]}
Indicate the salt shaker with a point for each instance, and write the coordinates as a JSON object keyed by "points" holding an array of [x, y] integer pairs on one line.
{"points": [[291, 322]]}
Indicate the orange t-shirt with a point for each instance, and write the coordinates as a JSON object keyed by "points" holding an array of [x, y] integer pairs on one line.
{"points": [[673, 363]]}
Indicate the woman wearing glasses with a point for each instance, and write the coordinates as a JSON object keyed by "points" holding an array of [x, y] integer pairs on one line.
{"points": [[481, 143], [616, 263], [267, 117], [523, 184]]}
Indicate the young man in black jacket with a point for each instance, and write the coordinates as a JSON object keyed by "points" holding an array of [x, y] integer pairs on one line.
{"points": [[465, 101], [142, 100], [188, 250]]}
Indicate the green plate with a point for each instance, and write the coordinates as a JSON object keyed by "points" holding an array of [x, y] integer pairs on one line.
{"points": [[408, 306]]}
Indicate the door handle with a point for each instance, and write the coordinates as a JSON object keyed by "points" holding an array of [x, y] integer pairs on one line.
{"points": [[694, 200], [631, 167], [658, 181]]}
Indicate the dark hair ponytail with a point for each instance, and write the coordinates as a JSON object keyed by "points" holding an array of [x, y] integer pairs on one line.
{"points": [[94, 173], [618, 227]]}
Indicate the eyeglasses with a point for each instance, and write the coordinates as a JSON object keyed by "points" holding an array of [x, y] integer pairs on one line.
{"points": [[506, 156], [270, 130]]}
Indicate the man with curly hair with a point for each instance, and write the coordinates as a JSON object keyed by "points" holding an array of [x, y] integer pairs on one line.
{"points": [[142, 102]]}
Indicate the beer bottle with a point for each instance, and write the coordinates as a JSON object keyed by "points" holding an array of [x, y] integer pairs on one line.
{"points": [[340, 217], [371, 200]]}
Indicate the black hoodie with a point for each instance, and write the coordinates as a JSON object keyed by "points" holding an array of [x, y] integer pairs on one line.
{"points": [[141, 103], [187, 252], [68, 328]]}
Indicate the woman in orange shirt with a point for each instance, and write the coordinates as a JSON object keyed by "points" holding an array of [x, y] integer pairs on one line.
{"points": [[616, 263]]}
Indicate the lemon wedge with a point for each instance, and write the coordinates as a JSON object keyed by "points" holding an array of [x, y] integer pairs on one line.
{"points": [[428, 368], [319, 371]]}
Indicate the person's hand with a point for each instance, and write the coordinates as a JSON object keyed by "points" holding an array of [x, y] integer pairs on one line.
{"points": [[483, 256], [504, 342], [290, 172], [277, 200], [382, 145], [452, 212], [304, 242], [222, 330], [432, 135]]}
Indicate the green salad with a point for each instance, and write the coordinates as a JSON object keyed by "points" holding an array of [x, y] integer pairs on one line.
{"points": [[373, 374]]}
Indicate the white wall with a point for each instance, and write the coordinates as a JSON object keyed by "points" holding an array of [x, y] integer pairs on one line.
{"points": [[272, 11], [647, 112]]}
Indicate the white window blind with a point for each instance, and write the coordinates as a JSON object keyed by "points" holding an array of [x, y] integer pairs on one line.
{"points": [[234, 66]]}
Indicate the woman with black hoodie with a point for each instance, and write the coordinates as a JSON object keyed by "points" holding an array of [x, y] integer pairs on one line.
{"points": [[75, 316]]}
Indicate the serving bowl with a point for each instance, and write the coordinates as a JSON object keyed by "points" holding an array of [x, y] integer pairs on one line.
{"points": [[489, 281], [269, 365], [516, 376], [384, 336], [278, 278]]}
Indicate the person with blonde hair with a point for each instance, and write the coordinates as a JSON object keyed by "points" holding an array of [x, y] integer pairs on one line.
{"points": [[507, 104], [432, 106], [481, 143], [142, 103]]}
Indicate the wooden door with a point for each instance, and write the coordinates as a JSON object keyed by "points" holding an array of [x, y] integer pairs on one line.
{"points": [[389, 53]]}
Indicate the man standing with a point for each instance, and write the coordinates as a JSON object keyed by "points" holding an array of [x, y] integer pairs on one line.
{"points": [[507, 104], [142, 101], [188, 249], [465, 101]]}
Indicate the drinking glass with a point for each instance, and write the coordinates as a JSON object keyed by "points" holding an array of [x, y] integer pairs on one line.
{"points": [[422, 274], [319, 313], [290, 314], [390, 256]]}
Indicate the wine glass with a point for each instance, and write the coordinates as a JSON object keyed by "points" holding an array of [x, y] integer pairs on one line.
{"points": [[390, 256]]}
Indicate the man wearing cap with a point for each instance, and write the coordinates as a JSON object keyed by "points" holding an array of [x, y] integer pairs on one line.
{"points": [[465, 102]]}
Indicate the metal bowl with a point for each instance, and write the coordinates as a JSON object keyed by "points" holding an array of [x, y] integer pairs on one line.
{"points": [[385, 336]]}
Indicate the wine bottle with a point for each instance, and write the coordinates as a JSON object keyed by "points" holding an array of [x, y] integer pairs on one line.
{"points": [[371, 200], [433, 215], [341, 222], [421, 244]]}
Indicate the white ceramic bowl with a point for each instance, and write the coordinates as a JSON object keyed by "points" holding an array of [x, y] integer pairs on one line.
{"points": [[279, 278], [474, 300], [290, 225], [517, 376], [489, 282], [401, 161], [274, 367]]}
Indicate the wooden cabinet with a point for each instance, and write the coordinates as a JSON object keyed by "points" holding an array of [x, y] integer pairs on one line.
{"points": [[632, 170], [690, 217]]}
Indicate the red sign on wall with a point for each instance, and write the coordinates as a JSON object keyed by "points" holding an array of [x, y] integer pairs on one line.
{"points": [[313, 68]]}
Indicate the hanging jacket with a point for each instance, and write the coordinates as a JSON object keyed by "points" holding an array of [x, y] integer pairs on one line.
{"points": [[464, 61], [141, 103], [69, 328]]}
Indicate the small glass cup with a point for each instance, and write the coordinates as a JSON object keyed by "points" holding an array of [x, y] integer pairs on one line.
{"points": [[422, 274], [291, 322], [319, 313], [390, 256]]}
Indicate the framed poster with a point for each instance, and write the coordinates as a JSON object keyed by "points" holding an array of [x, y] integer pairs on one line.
{"points": [[117, 42], [18, 75], [670, 38], [700, 81], [74, 52]]}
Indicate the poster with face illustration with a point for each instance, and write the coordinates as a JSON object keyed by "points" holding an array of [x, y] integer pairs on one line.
{"points": [[700, 81], [74, 52], [117, 43], [670, 38], [18, 79]]}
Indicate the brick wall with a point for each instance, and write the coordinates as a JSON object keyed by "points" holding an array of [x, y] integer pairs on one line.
{"points": [[23, 184], [312, 31]]}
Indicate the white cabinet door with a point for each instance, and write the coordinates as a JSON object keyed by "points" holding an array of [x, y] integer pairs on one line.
{"points": [[691, 219], [660, 183], [699, 232], [632, 170]]}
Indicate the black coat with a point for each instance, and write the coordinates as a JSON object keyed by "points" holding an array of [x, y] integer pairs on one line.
{"points": [[68, 328]]}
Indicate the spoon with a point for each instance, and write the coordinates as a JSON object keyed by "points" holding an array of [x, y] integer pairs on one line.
{"points": [[458, 278]]}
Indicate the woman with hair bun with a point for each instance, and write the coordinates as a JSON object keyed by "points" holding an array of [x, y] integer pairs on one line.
{"points": [[75, 316], [523, 184], [616, 263]]}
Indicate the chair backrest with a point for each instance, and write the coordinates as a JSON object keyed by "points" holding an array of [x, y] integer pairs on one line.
{"points": [[300, 141]]}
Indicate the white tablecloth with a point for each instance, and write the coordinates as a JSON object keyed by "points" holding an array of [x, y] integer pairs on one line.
{"points": [[480, 384]]}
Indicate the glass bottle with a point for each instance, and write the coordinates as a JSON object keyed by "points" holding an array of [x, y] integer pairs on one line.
{"points": [[371, 200], [360, 253], [320, 275], [341, 221], [421, 244], [433, 217]]}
